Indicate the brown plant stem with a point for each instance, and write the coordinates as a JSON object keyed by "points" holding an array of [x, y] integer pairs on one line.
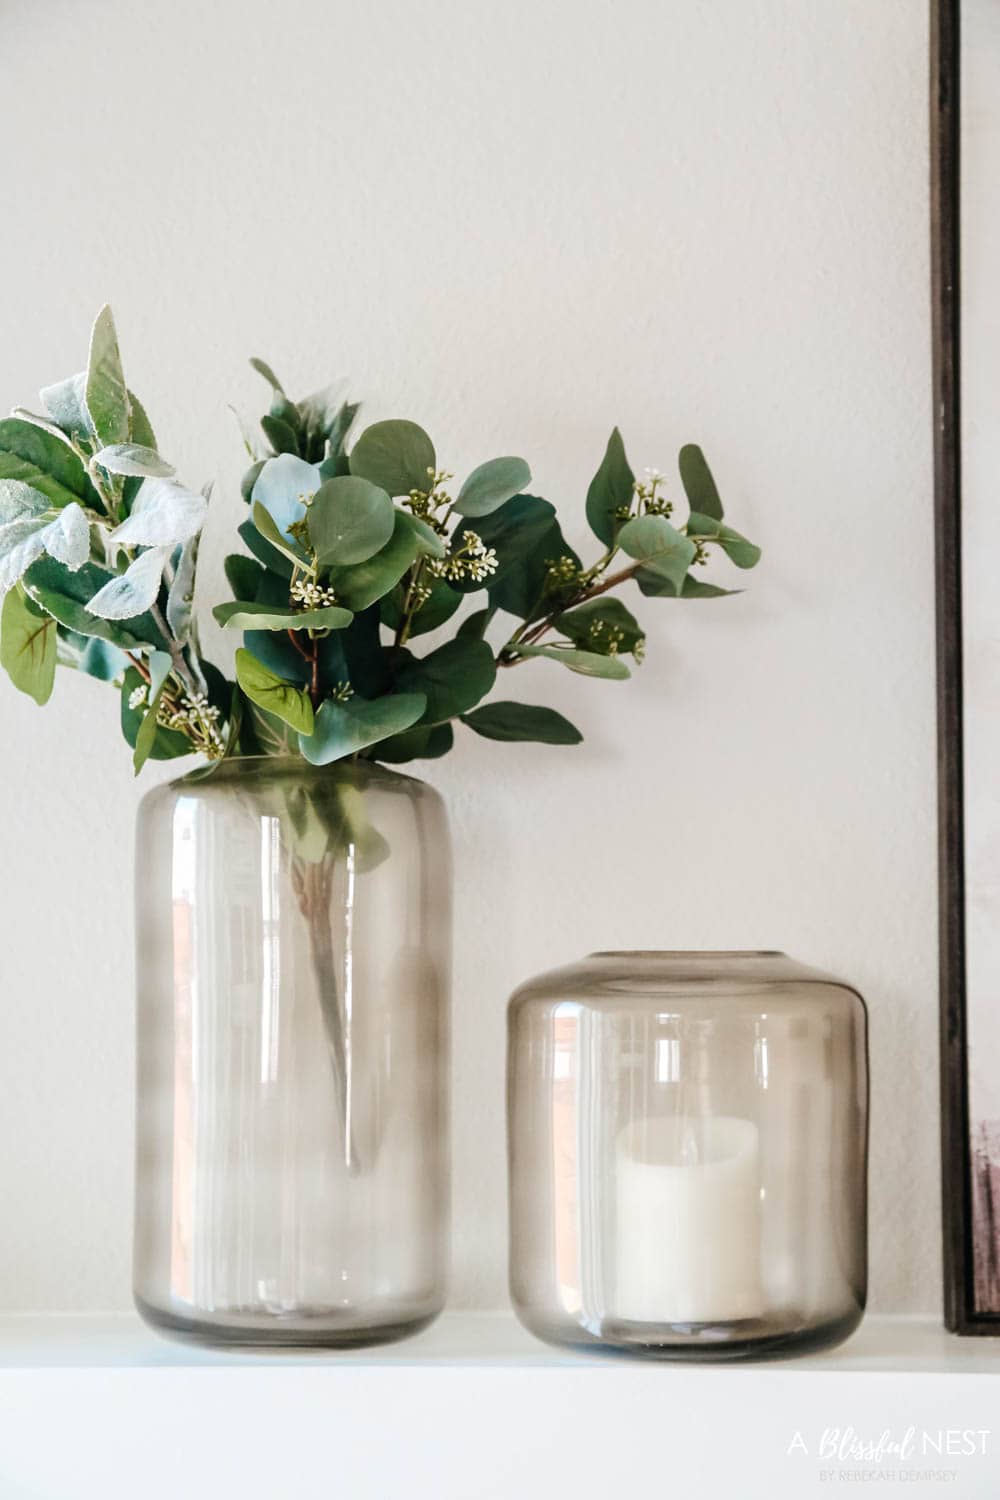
{"points": [[537, 631], [406, 621], [314, 692], [140, 667], [311, 657]]}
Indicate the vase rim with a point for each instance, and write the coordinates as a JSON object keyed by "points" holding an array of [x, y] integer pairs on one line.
{"points": [[659, 953], [291, 762]]}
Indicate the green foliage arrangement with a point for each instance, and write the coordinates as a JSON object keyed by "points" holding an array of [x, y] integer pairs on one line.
{"points": [[353, 553]]}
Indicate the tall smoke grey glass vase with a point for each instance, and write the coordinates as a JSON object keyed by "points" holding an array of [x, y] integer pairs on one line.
{"points": [[293, 960]]}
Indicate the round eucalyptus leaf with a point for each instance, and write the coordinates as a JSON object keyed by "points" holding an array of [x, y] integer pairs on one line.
{"points": [[282, 699], [522, 721], [360, 585], [736, 547], [422, 742], [350, 519], [439, 606], [652, 541], [454, 677], [588, 663], [491, 485], [610, 490], [254, 616], [603, 625], [699, 486], [283, 486], [345, 728], [398, 456]]}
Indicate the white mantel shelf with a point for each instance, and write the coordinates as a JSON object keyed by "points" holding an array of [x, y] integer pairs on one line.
{"points": [[474, 1408], [489, 1340]]}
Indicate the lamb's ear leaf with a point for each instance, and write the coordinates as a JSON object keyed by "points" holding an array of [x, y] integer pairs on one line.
{"points": [[180, 599], [22, 502], [66, 597], [27, 647], [106, 393], [40, 459], [133, 459], [141, 430], [165, 514], [67, 537], [66, 404], [133, 592]]}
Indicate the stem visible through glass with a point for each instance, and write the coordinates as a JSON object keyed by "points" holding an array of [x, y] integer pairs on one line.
{"points": [[312, 882]]}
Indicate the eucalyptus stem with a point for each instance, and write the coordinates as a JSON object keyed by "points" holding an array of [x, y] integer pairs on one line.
{"points": [[312, 882], [405, 624], [527, 637], [140, 667]]}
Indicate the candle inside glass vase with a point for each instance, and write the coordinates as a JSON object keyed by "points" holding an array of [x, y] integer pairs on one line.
{"points": [[688, 1220]]}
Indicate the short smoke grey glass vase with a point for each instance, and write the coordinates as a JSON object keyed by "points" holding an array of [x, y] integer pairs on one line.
{"points": [[688, 1152], [293, 973]]}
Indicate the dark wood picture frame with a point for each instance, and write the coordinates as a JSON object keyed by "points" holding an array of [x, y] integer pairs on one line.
{"points": [[961, 1312]]}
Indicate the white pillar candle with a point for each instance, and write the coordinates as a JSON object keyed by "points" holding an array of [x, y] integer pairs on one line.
{"points": [[687, 1209]]}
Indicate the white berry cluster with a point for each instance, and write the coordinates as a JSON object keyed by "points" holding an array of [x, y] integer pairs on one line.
{"points": [[195, 717], [473, 560], [308, 594]]}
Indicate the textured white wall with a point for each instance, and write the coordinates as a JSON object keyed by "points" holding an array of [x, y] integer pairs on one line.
{"points": [[517, 223]]}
